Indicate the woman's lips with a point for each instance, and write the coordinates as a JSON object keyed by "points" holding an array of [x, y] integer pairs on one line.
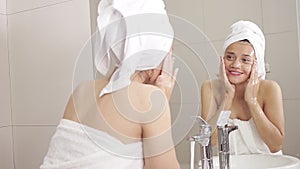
{"points": [[234, 73]]}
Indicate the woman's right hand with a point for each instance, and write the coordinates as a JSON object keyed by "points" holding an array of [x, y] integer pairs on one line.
{"points": [[227, 88]]}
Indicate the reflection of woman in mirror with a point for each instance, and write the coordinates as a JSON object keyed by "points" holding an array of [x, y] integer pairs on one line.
{"points": [[255, 103], [123, 121]]}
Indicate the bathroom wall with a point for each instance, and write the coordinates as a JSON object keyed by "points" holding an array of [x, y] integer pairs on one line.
{"points": [[298, 19], [40, 42], [278, 20]]}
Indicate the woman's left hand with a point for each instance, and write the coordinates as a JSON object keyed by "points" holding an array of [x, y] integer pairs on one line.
{"points": [[166, 80], [252, 86]]}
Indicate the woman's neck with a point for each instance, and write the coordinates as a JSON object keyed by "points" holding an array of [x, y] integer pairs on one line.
{"points": [[240, 90]]}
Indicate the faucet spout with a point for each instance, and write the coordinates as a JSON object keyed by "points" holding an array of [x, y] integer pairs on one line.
{"points": [[204, 139], [223, 145]]}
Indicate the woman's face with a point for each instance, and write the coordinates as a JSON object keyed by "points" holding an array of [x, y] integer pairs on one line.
{"points": [[238, 59]]}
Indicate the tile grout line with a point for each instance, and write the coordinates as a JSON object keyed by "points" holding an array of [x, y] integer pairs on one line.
{"points": [[36, 8], [33, 125], [298, 25], [10, 77], [291, 99], [262, 15], [10, 90]]}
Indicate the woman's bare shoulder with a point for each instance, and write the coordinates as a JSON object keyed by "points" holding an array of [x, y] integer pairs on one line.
{"points": [[207, 82], [144, 95], [211, 84], [269, 85], [140, 89], [269, 88], [89, 85]]}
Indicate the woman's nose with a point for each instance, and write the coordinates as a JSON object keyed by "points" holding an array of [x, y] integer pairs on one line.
{"points": [[236, 63]]}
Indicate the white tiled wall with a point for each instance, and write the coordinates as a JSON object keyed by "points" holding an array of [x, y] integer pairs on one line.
{"points": [[219, 15], [283, 60], [93, 12], [30, 145], [45, 38], [276, 17], [3, 6], [15, 6], [43, 55], [6, 148], [282, 53], [6, 143], [190, 10], [5, 108], [298, 21], [42, 46], [291, 144]]}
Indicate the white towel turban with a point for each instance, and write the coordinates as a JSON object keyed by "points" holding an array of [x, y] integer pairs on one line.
{"points": [[139, 35], [248, 30]]}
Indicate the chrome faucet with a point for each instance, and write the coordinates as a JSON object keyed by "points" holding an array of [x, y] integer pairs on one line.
{"points": [[204, 138], [223, 145]]}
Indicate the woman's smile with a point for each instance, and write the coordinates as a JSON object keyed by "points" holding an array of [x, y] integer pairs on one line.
{"points": [[234, 73]]}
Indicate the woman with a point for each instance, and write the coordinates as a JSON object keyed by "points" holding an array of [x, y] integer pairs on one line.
{"points": [[122, 121], [255, 103]]}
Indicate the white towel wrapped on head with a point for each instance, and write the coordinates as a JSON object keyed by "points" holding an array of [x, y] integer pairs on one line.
{"points": [[242, 30], [139, 35]]}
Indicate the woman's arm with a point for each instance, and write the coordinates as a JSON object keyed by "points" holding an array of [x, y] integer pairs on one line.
{"points": [[208, 106], [209, 109], [269, 120], [159, 151], [216, 96]]}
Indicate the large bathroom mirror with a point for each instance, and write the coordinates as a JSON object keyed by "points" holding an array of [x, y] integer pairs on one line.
{"points": [[201, 27]]}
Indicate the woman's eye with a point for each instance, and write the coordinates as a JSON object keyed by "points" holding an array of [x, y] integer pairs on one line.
{"points": [[229, 57], [247, 60]]}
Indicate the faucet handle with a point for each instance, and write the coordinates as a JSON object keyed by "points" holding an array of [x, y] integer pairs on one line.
{"points": [[203, 139], [201, 121], [223, 118], [232, 128], [227, 129], [205, 128], [205, 132]]}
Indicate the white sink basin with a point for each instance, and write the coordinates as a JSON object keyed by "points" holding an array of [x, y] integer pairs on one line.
{"points": [[260, 161]]}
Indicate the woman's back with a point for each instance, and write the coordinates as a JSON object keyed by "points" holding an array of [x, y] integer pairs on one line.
{"points": [[115, 113], [136, 114]]}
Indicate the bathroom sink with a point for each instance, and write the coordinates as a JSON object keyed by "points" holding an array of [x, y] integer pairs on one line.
{"points": [[260, 161], [264, 162]]}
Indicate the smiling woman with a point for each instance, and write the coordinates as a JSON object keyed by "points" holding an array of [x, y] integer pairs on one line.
{"points": [[238, 59], [255, 103]]}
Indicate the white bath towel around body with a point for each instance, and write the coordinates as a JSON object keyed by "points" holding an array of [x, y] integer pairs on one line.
{"points": [[76, 146], [246, 139]]}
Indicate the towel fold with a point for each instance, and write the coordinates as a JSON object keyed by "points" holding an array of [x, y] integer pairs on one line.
{"points": [[76, 146], [246, 139]]}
